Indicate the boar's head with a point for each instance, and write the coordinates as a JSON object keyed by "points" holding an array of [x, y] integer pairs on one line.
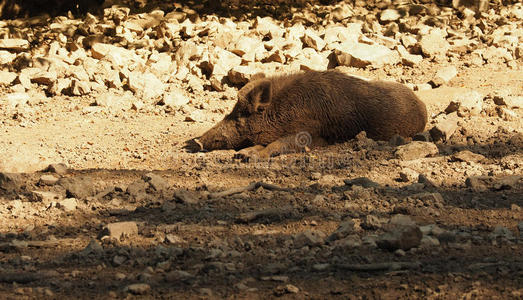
{"points": [[240, 128]]}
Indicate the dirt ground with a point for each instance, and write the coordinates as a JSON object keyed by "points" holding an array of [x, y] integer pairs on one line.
{"points": [[303, 232]]}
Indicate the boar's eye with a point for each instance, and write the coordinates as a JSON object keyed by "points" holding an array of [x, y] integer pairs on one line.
{"points": [[239, 111]]}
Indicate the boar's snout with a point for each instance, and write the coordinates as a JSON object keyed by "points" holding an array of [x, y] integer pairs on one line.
{"points": [[223, 135], [194, 145]]}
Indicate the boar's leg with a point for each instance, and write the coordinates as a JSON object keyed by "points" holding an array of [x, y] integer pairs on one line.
{"points": [[294, 143], [250, 151]]}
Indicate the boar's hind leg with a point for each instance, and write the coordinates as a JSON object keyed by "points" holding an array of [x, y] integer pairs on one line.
{"points": [[294, 143], [250, 151]]}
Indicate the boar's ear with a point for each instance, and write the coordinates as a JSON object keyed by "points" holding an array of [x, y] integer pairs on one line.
{"points": [[257, 76], [260, 96]]}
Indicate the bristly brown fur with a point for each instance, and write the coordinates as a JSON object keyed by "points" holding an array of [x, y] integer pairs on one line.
{"points": [[329, 105]]}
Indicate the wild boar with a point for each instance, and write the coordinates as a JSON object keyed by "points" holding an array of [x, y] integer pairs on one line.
{"points": [[286, 113]]}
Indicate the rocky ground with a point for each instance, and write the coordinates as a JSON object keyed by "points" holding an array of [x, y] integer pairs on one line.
{"points": [[98, 198]]}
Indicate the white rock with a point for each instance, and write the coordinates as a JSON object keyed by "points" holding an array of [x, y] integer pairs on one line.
{"points": [[509, 101], [444, 75], [45, 197], [466, 104], [267, 27], [295, 32], [408, 40], [434, 43], [99, 50], [59, 85], [25, 77], [422, 87], [175, 99], [386, 41], [187, 51], [119, 229], [6, 77], [145, 85], [117, 56], [415, 150], [114, 101], [112, 79], [163, 66], [14, 44], [221, 61], [361, 55], [342, 34], [45, 78], [389, 15], [245, 46], [241, 74], [133, 26], [342, 12], [408, 59], [17, 99], [408, 175], [68, 204], [48, 179], [506, 41], [311, 39], [444, 127], [495, 54], [79, 88], [195, 116], [311, 60], [6, 57], [292, 49], [516, 11], [137, 104], [507, 114]]}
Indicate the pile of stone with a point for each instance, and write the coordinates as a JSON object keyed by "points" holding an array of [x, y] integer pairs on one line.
{"points": [[146, 53]]}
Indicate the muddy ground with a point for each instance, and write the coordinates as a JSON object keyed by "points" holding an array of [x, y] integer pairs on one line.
{"points": [[432, 219]]}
